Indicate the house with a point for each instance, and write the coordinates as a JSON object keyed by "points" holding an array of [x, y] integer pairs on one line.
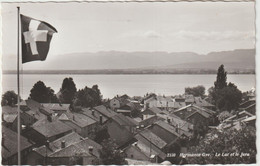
{"points": [[238, 117], [121, 128], [94, 114], [82, 124], [198, 101], [118, 102], [149, 120], [104, 111], [70, 149], [163, 102], [247, 103], [238, 120], [10, 145], [44, 130], [185, 128], [84, 152], [38, 155], [57, 107], [194, 114], [9, 114], [32, 115], [147, 147], [165, 131], [251, 121]]}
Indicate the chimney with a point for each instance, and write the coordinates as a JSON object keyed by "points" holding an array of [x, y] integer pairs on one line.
{"points": [[177, 129], [93, 112], [47, 143], [135, 144], [100, 119], [168, 120], [49, 118], [90, 149], [63, 144]]}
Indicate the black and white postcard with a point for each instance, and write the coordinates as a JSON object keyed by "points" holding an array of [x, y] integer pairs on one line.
{"points": [[128, 82]]}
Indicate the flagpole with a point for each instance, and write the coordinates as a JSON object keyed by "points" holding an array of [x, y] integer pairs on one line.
{"points": [[18, 89]]}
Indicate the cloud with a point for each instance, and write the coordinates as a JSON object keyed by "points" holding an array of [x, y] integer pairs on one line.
{"points": [[215, 36], [152, 34], [142, 34]]}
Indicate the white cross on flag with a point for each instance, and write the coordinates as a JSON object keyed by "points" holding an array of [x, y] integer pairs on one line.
{"points": [[36, 38]]}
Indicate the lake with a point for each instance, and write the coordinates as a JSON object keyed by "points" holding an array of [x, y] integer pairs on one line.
{"points": [[132, 85]]}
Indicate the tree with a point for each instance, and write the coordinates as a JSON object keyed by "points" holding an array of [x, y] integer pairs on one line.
{"points": [[68, 90], [43, 94], [195, 91], [224, 96], [230, 142], [228, 98], [88, 97], [110, 155], [221, 81], [9, 98]]}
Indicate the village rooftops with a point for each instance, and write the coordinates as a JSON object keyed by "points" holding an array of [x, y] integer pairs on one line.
{"points": [[154, 139], [77, 118], [55, 146], [167, 127], [9, 143], [240, 116], [31, 104], [9, 118], [56, 106], [94, 114], [124, 120], [49, 129], [184, 126], [202, 103], [79, 148], [147, 148], [108, 113]]}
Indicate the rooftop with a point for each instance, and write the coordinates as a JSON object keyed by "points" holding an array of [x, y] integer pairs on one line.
{"points": [[78, 148], [105, 111], [55, 146], [9, 144], [56, 106], [154, 139], [49, 129]]}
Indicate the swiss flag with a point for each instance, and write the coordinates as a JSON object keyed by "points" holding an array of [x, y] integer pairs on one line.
{"points": [[36, 38]]}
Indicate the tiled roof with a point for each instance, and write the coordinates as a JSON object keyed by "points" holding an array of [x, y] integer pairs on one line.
{"points": [[154, 139], [79, 148], [9, 118], [124, 121], [49, 129], [79, 119], [55, 146], [36, 114], [167, 127], [147, 148], [56, 106], [202, 103], [138, 162], [105, 111], [94, 115], [9, 146], [179, 104], [189, 98], [9, 110]]}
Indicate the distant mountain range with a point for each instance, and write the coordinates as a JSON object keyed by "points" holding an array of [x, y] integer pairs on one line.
{"points": [[115, 62]]}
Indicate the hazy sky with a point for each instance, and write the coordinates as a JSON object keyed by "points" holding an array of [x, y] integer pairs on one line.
{"points": [[199, 27]]}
